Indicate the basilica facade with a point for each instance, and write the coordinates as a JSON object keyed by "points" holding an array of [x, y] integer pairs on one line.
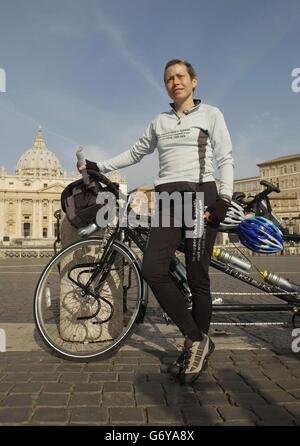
{"points": [[29, 197]]}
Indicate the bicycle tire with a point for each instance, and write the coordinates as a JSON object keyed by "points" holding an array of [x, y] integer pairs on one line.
{"points": [[58, 302]]}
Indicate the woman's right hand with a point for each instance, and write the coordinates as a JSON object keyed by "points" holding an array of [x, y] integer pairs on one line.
{"points": [[81, 167], [89, 165]]}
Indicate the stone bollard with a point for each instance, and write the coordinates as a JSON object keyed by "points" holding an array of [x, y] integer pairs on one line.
{"points": [[72, 304]]}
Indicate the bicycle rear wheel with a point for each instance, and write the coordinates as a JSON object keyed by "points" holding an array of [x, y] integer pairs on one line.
{"points": [[81, 323]]}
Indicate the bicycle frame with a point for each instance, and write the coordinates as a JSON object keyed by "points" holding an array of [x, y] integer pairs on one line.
{"points": [[291, 299], [261, 206], [178, 274]]}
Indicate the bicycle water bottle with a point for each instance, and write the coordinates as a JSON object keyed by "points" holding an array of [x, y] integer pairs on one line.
{"points": [[232, 260], [280, 282], [81, 160]]}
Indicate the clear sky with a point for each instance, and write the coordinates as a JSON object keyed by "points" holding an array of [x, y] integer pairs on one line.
{"points": [[90, 73]]}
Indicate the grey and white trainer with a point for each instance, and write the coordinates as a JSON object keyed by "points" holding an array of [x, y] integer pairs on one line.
{"points": [[195, 356]]}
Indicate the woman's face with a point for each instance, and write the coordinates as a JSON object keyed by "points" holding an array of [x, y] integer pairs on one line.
{"points": [[178, 83]]}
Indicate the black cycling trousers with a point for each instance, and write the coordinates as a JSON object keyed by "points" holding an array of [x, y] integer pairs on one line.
{"points": [[161, 246]]}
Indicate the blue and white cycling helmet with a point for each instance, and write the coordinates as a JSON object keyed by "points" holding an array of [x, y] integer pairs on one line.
{"points": [[260, 235], [234, 215]]}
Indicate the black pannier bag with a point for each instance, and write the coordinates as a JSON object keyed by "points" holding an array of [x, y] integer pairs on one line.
{"points": [[78, 201]]}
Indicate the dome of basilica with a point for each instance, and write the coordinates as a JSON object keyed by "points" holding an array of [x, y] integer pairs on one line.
{"points": [[39, 161]]}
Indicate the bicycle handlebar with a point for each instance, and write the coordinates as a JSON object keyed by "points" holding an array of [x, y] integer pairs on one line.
{"points": [[291, 238], [93, 173]]}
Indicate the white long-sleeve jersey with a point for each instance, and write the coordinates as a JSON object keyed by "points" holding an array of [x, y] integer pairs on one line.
{"points": [[187, 147]]}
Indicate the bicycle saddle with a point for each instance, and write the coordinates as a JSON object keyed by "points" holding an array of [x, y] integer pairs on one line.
{"points": [[270, 186]]}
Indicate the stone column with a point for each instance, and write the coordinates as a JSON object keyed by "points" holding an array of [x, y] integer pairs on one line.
{"points": [[34, 232], [40, 218], [2, 220], [50, 220], [19, 219]]}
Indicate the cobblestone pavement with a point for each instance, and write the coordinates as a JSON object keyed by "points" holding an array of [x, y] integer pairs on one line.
{"points": [[253, 376]]}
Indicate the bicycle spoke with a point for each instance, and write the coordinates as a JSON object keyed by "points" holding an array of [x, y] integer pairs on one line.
{"points": [[77, 324]]}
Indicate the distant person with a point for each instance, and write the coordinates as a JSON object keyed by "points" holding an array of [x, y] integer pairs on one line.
{"points": [[189, 138]]}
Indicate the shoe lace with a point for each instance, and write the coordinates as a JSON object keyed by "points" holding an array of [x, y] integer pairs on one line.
{"points": [[186, 353]]}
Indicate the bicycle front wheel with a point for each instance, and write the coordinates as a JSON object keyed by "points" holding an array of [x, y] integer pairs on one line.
{"points": [[83, 312]]}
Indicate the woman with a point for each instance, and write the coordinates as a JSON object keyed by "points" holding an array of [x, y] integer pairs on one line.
{"points": [[189, 138]]}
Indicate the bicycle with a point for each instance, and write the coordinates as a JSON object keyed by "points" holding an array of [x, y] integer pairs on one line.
{"points": [[91, 294]]}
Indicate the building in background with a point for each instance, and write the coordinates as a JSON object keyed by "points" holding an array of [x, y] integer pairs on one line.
{"points": [[142, 200], [283, 172], [29, 198]]}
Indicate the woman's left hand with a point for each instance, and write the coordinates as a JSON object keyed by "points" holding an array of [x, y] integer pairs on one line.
{"points": [[217, 211], [206, 216]]}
